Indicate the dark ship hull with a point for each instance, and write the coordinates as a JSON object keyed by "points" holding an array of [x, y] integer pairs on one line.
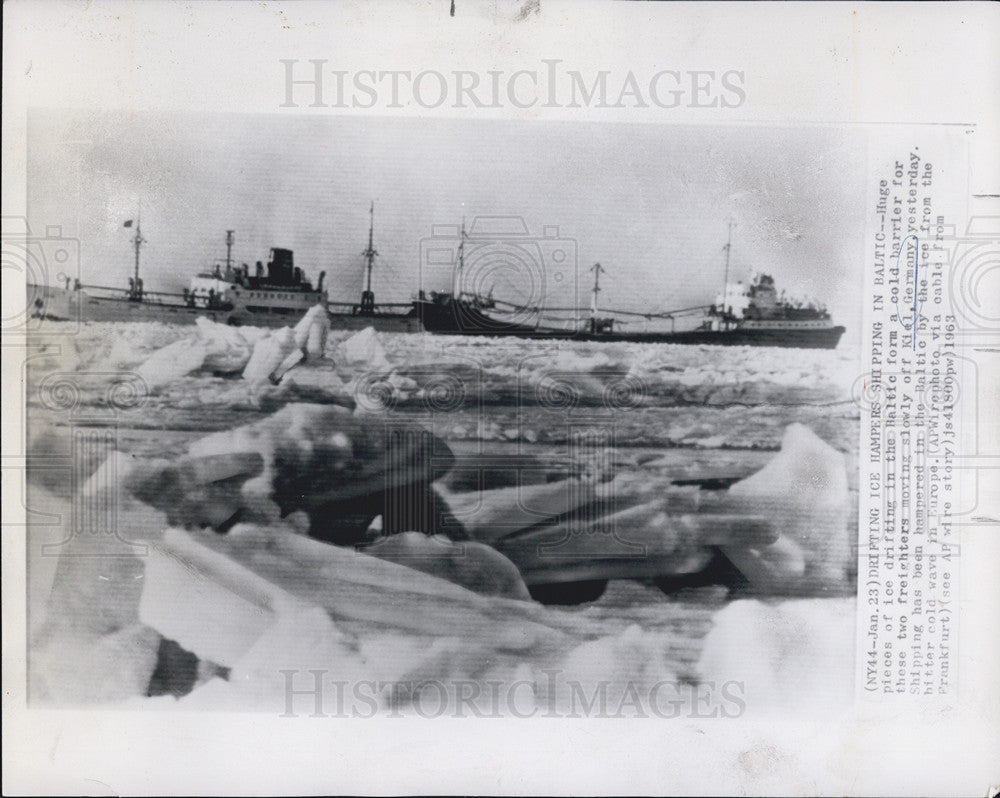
{"points": [[382, 322], [445, 316], [384, 318]]}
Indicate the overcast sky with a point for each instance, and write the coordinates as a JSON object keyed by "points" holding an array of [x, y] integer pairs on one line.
{"points": [[651, 203]]}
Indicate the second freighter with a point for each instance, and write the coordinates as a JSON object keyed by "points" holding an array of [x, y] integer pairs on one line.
{"points": [[751, 314]]}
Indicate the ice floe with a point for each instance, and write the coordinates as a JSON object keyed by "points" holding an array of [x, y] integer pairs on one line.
{"points": [[174, 361], [363, 350], [311, 332], [803, 490], [791, 656]]}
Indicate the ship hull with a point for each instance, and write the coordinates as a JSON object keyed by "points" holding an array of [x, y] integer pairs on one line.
{"points": [[453, 318], [60, 304]]}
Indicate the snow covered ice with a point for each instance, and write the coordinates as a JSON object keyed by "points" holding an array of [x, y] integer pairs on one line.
{"points": [[363, 350], [272, 357], [791, 656], [778, 430]]}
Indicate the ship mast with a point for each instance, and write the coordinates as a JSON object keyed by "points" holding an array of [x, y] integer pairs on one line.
{"points": [[725, 281], [229, 251], [367, 297], [137, 241], [597, 269], [457, 288]]}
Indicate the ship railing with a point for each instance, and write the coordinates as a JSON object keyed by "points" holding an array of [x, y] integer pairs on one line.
{"points": [[581, 311], [354, 307], [570, 317], [161, 297], [127, 292]]}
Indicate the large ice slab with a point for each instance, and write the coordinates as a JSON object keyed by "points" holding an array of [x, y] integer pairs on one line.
{"points": [[174, 361], [270, 357], [208, 603], [311, 332], [92, 645], [803, 490]]}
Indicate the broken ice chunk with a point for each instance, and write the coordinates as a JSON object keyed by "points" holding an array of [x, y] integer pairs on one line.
{"points": [[207, 602], [342, 469], [803, 490], [634, 659], [98, 577], [791, 656], [311, 331], [294, 357], [299, 641], [79, 668], [91, 646], [316, 341], [364, 350], [315, 384], [269, 354], [198, 491], [172, 362], [228, 348], [476, 566]]}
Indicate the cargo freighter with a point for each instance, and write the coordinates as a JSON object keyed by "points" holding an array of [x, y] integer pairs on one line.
{"points": [[279, 294], [752, 314], [275, 295]]}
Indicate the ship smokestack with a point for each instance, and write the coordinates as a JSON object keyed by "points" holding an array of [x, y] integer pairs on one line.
{"points": [[319, 285]]}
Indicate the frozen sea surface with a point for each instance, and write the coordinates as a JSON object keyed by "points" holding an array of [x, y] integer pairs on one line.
{"points": [[495, 389], [686, 413]]}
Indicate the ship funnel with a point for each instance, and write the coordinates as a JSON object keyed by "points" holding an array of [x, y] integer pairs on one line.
{"points": [[319, 285]]}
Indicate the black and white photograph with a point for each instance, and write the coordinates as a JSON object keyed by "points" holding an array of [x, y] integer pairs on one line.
{"points": [[350, 414], [444, 417]]}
